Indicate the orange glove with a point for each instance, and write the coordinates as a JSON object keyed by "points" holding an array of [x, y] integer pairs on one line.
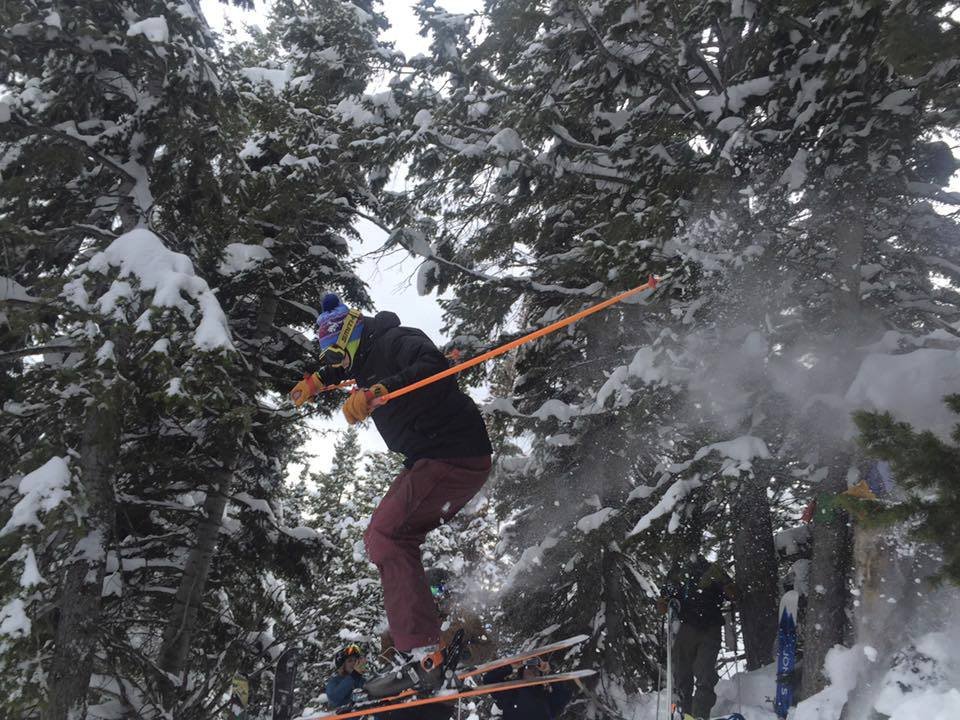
{"points": [[306, 389], [363, 402]]}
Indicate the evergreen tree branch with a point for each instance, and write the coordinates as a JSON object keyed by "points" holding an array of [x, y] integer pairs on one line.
{"points": [[76, 142]]}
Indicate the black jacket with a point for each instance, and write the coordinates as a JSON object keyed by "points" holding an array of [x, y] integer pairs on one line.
{"points": [[537, 702], [437, 421], [699, 588]]}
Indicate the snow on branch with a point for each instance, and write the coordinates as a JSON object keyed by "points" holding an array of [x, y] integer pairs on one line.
{"points": [[41, 490], [909, 385], [736, 455], [12, 291], [154, 29], [415, 243], [238, 258], [671, 498], [170, 275]]}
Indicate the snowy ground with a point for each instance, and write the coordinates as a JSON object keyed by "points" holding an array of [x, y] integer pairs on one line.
{"points": [[920, 683]]}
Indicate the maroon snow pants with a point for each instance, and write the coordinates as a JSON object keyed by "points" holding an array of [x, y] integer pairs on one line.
{"points": [[419, 500]]}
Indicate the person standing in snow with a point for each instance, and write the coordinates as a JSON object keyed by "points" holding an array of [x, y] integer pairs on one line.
{"points": [[699, 591], [535, 702], [447, 457], [349, 664]]}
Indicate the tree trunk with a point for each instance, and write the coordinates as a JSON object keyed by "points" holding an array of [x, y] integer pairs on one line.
{"points": [[186, 604], [613, 604], [826, 622], [830, 565], [756, 569], [80, 604], [179, 631]]}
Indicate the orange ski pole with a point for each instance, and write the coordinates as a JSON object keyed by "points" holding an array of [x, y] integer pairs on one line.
{"points": [[460, 367]]}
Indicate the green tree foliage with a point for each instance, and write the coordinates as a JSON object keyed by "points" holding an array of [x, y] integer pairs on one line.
{"points": [[925, 469], [771, 163], [118, 115]]}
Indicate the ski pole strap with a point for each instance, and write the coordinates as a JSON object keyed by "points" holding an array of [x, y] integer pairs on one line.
{"points": [[536, 334]]}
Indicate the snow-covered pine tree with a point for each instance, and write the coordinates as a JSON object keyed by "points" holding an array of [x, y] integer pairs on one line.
{"points": [[343, 602], [86, 113], [312, 163], [849, 135], [316, 145], [331, 488], [547, 169], [158, 124], [574, 144]]}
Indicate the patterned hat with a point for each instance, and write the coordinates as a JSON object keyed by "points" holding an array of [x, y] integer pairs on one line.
{"points": [[330, 321]]}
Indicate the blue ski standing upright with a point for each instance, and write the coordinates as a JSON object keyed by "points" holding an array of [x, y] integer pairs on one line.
{"points": [[786, 653]]}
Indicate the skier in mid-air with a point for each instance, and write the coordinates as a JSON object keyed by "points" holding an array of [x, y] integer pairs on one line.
{"points": [[447, 456]]}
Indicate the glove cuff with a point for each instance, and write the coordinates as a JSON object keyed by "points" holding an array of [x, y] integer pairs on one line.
{"points": [[313, 382]]}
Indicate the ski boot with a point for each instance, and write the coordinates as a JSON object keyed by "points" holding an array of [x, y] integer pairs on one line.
{"points": [[424, 674]]}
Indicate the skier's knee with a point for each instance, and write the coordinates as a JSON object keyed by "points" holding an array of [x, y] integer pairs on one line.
{"points": [[380, 545]]}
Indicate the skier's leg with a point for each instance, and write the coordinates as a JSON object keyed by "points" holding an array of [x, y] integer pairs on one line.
{"points": [[396, 553], [684, 654], [430, 492], [443, 488], [705, 670]]}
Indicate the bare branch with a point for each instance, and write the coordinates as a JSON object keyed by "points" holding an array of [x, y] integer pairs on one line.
{"points": [[38, 350]]}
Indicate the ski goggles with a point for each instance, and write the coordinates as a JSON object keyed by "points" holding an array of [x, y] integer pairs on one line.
{"points": [[438, 590], [351, 650], [338, 335]]}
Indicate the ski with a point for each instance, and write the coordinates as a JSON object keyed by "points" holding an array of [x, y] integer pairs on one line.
{"points": [[389, 705], [283, 684], [472, 672], [786, 653], [521, 656]]}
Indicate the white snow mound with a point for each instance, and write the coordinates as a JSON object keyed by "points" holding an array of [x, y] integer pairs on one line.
{"points": [[142, 254], [153, 29]]}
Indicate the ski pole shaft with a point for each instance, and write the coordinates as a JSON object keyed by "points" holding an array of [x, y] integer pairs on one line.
{"points": [[536, 334], [667, 633]]}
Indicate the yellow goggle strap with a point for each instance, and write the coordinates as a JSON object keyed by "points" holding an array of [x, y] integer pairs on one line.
{"points": [[349, 323]]}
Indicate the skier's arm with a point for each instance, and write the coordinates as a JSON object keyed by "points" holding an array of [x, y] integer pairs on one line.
{"points": [[313, 382], [339, 689], [358, 679], [718, 578], [498, 675], [332, 375], [417, 357]]}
